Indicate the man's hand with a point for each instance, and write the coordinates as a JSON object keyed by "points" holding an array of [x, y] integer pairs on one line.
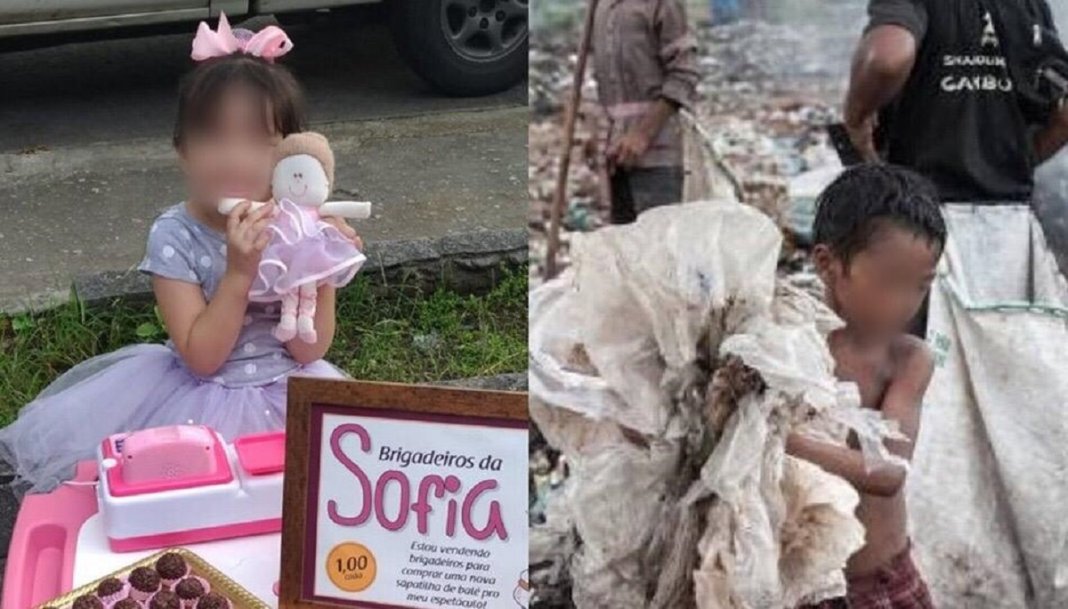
{"points": [[1051, 138], [635, 143], [629, 149], [346, 229], [862, 135]]}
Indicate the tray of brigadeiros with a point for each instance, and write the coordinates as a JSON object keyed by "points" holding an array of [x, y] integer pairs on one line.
{"points": [[172, 579]]}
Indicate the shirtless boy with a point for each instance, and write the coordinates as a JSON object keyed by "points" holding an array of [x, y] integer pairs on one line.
{"points": [[878, 233]]}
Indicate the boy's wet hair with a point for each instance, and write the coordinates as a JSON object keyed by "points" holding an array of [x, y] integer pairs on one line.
{"points": [[202, 89], [866, 199]]}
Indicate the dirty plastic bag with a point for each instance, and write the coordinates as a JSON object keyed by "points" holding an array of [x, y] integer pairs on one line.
{"points": [[818, 529], [788, 348], [620, 492], [639, 298], [708, 178], [987, 489], [751, 556], [740, 547], [668, 365]]}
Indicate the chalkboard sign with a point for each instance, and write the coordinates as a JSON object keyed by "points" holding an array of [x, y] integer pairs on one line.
{"points": [[404, 497]]}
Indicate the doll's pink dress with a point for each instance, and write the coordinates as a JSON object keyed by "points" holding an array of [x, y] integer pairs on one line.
{"points": [[303, 250]]}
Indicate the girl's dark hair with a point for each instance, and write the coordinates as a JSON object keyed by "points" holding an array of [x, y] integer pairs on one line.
{"points": [[866, 198], [202, 88]]}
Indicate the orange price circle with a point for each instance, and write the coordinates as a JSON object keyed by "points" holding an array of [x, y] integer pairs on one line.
{"points": [[351, 566]]}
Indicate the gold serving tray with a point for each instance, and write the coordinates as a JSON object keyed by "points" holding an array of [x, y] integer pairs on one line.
{"points": [[241, 598]]}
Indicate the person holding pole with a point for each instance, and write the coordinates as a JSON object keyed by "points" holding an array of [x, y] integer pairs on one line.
{"points": [[645, 62]]}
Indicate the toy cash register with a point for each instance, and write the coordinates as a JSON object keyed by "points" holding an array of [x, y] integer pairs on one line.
{"points": [[183, 484]]}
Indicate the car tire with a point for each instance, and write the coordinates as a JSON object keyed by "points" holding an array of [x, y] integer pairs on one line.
{"points": [[463, 47]]}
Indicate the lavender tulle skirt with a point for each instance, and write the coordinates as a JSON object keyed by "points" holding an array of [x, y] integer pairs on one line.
{"points": [[136, 387], [303, 250]]}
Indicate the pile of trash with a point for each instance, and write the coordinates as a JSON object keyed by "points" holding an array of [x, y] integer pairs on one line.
{"points": [[668, 365], [766, 95], [1048, 200], [587, 205], [744, 64], [552, 61]]}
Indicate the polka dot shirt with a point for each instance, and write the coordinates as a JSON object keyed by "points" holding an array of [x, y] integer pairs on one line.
{"points": [[181, 248]]}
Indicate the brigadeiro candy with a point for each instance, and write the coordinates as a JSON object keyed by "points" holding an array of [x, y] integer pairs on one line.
{"points": [[171, 567], [189, 590], [211, 600], [127, 603], [87, 601], [144, 582], [111, 590], [164, 599]]}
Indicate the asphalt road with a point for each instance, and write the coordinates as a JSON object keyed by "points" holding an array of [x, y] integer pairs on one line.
{"points": [[79, 94], [86, 163]]}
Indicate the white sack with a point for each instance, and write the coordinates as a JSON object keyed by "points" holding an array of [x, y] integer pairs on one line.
{"points": [[989, 483], [639, 296]]}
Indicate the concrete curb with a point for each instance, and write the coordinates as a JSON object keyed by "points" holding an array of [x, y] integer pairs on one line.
{"points": [[468, 263], [514, 381], [346, 137]]}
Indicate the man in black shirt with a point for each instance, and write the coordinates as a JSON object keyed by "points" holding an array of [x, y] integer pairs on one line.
{"points": [[948, 88]]}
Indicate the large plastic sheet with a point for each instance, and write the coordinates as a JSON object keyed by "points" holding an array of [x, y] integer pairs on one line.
{"points": [[668, 365], [988, 487]]}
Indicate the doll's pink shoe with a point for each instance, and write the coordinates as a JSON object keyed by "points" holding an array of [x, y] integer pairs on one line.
{"points": [[306, 329], [286, 330]]}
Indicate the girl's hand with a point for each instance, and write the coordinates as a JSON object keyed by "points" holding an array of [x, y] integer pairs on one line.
{"points": [[246, 238], [343, 226]]}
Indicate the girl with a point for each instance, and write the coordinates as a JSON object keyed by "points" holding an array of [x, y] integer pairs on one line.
{"points": [[222, 366]]}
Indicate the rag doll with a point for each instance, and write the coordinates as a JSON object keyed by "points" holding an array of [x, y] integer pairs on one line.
{"points": [[304, 251]]}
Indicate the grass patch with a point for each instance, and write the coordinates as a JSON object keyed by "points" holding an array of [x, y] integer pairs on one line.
{"points": [[402, 335]]}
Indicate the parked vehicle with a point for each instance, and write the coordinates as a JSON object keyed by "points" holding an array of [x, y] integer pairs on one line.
{"points": [[461, 47]]}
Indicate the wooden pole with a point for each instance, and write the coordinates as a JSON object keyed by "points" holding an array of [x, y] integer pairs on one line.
{"points": [[570, 115]]}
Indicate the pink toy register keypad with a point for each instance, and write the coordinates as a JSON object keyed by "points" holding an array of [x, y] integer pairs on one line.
{"points": [[165, 458]]}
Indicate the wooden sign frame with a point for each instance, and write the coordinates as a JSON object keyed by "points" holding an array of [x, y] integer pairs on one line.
{"points": [[420, 402]]}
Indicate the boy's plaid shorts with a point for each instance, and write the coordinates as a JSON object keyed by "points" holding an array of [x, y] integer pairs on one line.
{"points": [[896, 585]]}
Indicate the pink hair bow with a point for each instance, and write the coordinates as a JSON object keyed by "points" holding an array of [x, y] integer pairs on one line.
{"points": [[269, 43]]}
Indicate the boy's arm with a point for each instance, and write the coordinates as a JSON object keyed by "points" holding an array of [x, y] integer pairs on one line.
{"points": [[901, 403]]}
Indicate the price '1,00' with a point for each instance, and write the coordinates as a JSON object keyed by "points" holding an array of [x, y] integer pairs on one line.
{"points": [[352, 563]]}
